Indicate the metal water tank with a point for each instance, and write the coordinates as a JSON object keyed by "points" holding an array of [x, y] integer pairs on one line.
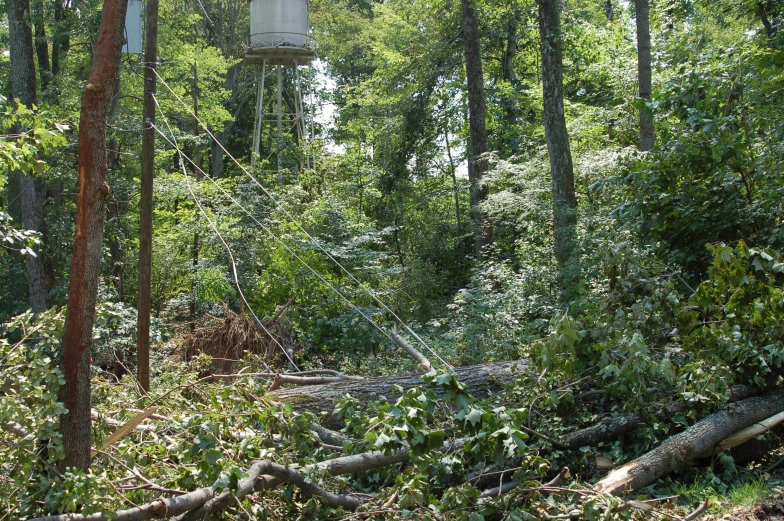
{"points": [[279, 23]]}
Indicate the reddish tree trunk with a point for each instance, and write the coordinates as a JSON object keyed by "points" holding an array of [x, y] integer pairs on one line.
{"points": [[75, 425]]}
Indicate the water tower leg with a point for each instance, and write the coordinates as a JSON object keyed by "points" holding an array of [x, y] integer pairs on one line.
{"points": [[312, 126], [300, 120], [259, 116], [280, 123]]}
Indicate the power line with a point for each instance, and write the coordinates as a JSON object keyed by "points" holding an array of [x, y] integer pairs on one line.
{"points": [[215, 229], [274, 237], [313, 240]]}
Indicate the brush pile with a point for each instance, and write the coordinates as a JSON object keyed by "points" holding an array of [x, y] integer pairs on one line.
{"points": [[231, 339]]}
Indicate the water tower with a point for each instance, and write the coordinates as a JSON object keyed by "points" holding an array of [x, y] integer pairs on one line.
{"points": [[279, 37]]}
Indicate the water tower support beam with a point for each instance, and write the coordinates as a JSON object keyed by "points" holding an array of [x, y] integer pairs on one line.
{"points": [[259, 116], [299, 120]]}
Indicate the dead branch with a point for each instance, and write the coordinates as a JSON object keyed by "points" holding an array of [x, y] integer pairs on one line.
{"points": [[125, 429], [263, 475], [421, 359], [679, 450], [14, 429], [300, 379], [548, 487]]}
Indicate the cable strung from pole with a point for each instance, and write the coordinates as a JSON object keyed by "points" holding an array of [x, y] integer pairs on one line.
{"points": [[215, 229], [274, 237], [312, 239]]}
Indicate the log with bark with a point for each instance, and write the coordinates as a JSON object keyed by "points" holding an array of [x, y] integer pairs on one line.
{"points": [[480, 380], [696, 441], [612, 428]]}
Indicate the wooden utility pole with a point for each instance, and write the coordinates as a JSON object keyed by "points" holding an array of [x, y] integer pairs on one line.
{"points": [[561, 167], [75, 424], [644, 72], [197, 173], [148, 173], [483, 230]]}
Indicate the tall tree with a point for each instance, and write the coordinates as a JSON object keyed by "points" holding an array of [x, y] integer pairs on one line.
{"points": [[642, 15], [507, 63], [24, 88], [561, 168], [145, 218], [75, 424], [477, 110], [41, 45]]}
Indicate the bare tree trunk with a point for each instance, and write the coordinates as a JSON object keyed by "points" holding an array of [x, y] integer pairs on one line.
{"points": [[477, 166], [453, 172], [31, 192], [217, 153], [507, 65], [75, 424], [41, 47], [609, 10], [644, 72], [60, 43], [145, 217], [562, 170]]}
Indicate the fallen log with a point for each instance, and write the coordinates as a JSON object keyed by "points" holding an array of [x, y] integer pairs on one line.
{"points": [[612, 428], [701, 438], [480, 380]]}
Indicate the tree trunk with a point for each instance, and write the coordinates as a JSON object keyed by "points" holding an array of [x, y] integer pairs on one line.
{"points": [[507, 65], [25, 89], [612, 428], [644, 72], [480, 380], [216, 151], [145, 217], [41, 46], [477, 166], [60, 41], [561, 168], [75, 425], [609, 10], [677, 451]]}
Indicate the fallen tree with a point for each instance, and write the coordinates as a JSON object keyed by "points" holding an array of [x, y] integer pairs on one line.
{"points": [[696, 441], [480, 380], [612, 428], [262, 475]]}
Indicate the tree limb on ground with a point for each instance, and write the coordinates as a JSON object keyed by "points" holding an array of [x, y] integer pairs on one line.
{"points": [[262, 475], [304, 379], [701, 438], [612, 428]]}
